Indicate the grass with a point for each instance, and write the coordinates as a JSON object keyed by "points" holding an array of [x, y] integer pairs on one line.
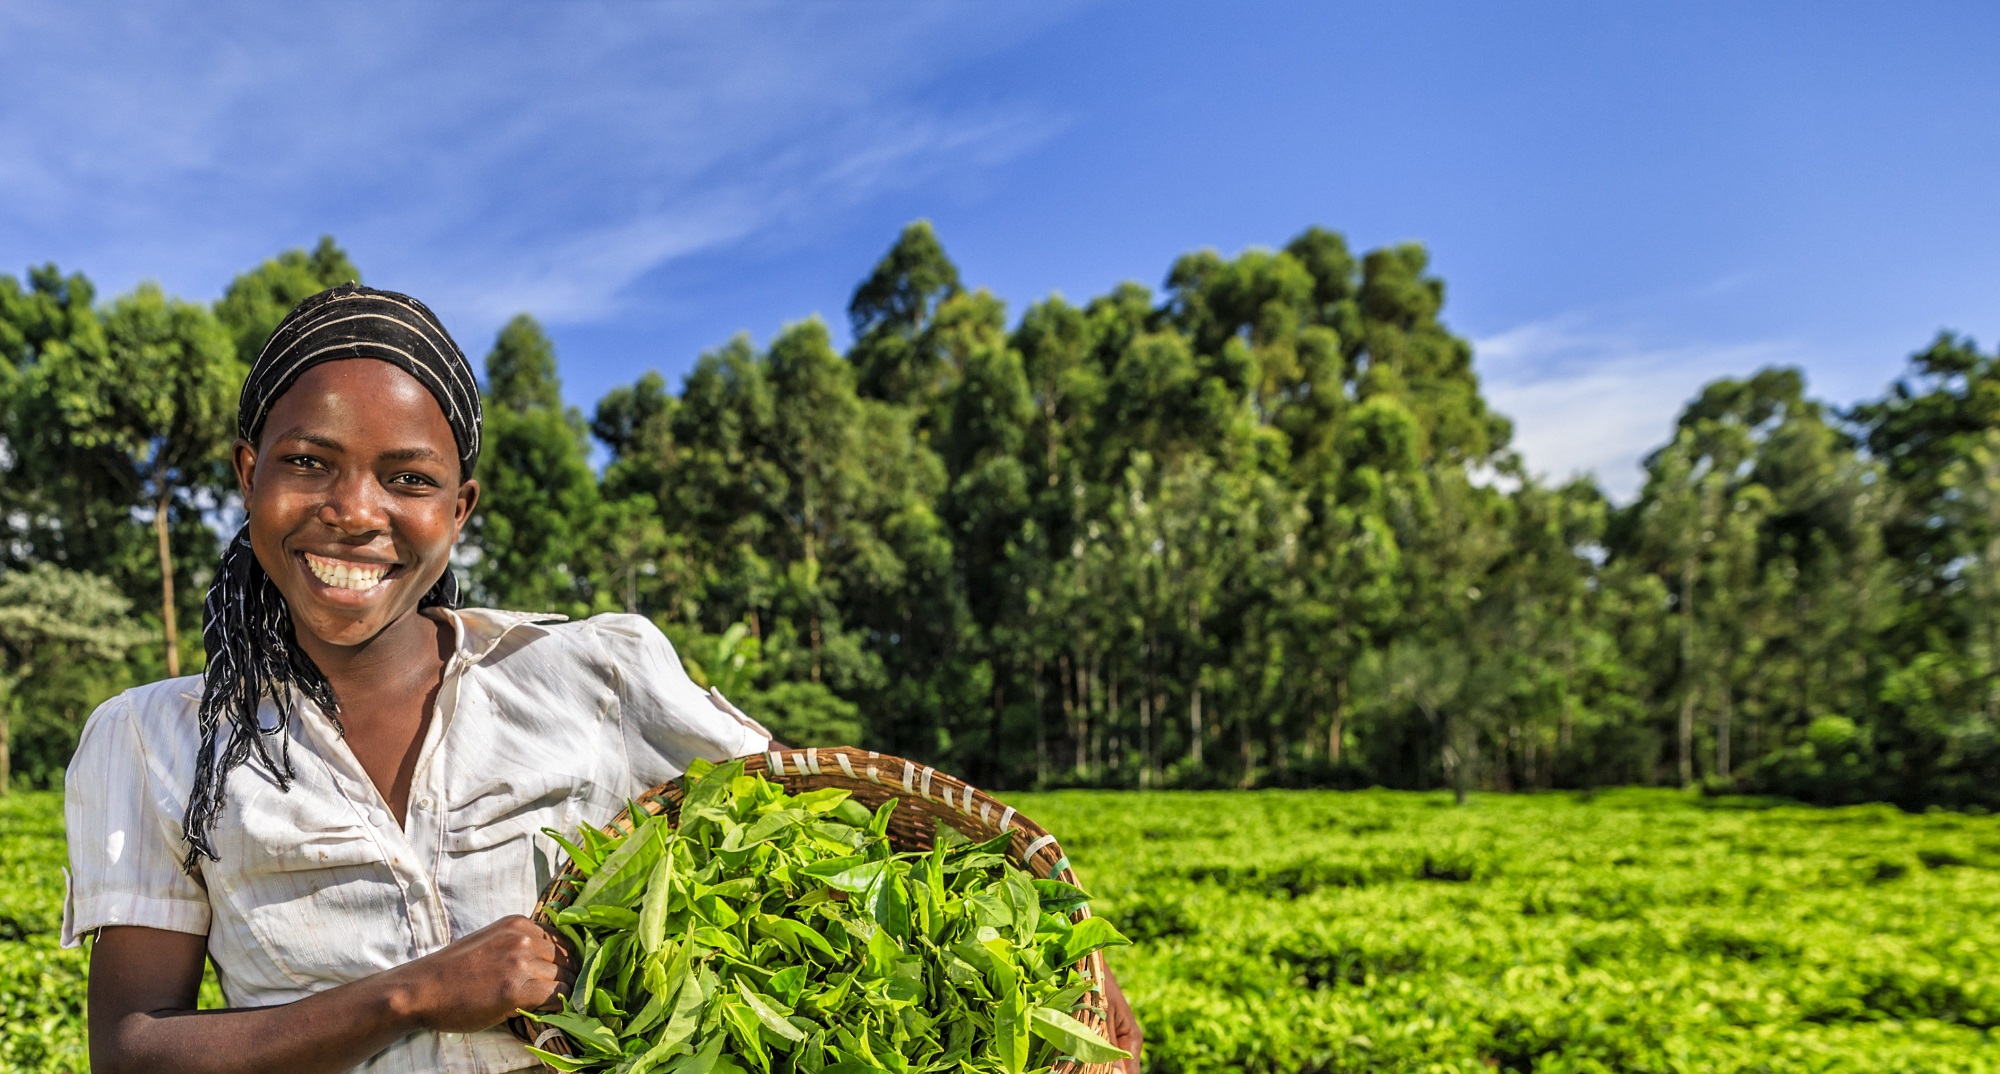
{"points": [[1381, 931]]}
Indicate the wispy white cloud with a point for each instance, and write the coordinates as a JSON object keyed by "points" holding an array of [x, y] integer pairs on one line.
{"points": [[496, 156], [1588, 400]]}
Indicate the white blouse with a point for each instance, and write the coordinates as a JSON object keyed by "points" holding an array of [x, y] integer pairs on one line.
{"points": [[537, 725]]}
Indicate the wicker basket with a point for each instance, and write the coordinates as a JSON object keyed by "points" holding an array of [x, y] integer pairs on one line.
{"points": [[925, 797]]}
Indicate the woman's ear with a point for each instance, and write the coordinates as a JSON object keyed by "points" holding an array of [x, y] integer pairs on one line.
{"points": [[468, 498], [243, 459]]}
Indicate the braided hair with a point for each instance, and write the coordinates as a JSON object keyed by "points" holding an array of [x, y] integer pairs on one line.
{"points": [[247, 632]]}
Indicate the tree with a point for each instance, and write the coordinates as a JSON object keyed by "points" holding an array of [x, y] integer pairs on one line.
{"points": [[151, 414], [894, 356], [539, 506], [521, 369], [52, 620]]}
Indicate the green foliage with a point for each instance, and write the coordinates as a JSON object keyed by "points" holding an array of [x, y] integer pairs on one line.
{"points": [[41, 985], [1630, 931], [797, 713], [785, 933], [54, 626], [539, 504]]}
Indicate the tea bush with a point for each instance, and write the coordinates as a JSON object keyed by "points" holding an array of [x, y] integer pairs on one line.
{"points": [[1632, 931]]}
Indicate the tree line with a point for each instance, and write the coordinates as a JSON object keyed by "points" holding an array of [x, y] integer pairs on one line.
{"points": [[1256, 528]]}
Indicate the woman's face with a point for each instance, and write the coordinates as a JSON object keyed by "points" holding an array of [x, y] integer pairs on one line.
{"points": [[354, 498]]}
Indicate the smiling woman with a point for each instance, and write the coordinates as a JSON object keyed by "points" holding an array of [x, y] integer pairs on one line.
{"points": [[362, 905]]}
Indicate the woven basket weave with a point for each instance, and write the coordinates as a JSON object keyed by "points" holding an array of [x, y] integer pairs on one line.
{"points": [[925, 796]]}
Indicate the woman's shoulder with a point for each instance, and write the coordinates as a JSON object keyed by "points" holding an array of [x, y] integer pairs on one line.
{"points": [[155, 723]]}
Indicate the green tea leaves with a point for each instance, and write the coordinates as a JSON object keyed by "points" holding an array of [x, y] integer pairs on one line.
{"points": [[621, 877], [1073, 1037]]}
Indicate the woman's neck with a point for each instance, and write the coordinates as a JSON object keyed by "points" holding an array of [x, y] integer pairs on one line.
{"points": [[407, 656]]}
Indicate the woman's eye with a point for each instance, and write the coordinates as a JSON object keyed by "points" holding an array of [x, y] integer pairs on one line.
{"points": [[304, 462], [414, 480]]}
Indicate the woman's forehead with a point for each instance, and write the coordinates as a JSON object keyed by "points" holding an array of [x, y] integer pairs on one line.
{"points": [[365, 400]]}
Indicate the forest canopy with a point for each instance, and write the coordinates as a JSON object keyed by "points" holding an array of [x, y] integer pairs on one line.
{"points": [[1259, 527]]}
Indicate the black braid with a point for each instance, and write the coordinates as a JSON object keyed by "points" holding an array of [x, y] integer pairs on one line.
{"points": [[253, 652]]}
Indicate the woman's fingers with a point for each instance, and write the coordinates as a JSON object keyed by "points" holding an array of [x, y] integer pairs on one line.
{"points": [[558, 991], [564, 959]]}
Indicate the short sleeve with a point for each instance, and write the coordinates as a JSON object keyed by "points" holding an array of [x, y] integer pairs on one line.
{"points": [[124, 828], [666, 719]]}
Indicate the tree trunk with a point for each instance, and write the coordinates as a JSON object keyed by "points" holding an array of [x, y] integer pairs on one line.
{"points": [[1146, 734], [1724, 713], [1072, 691], [1194, 688], [1336, 732], [1041, 736], [993, 758], [1194, 722], [813, 627], [1463, 774], [1566, 721], [6, 736], [167, 586], [1687, 674], [1107, 725], [1246, 755]]}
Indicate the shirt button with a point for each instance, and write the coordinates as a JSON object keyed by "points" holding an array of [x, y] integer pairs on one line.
{"points": [[417, 889], [450, 1038], [424, 802], [380, 817]]}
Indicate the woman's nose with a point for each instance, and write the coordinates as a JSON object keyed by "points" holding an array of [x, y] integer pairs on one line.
{"points": [[358, 505]]}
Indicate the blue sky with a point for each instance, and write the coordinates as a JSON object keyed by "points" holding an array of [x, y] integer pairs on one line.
{"points": [[1624, 200]]}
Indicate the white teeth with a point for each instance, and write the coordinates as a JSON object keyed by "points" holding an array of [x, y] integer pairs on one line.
{"points": [[341, 574]]}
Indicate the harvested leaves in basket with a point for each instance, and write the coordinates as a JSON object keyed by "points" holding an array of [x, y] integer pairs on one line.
{"points": [[777, 933]]}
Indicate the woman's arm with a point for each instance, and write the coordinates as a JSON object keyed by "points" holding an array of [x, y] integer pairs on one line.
{"points": [[143, 984]]}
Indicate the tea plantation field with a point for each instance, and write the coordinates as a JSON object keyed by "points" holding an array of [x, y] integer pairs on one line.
{"points": [[1380, 931]]}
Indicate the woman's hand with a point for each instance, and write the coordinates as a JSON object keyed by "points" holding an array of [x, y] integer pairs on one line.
{"points": [[480, 981]]}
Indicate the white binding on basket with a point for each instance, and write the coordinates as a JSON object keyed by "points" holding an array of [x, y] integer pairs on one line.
{"points": [[1035, 846], [909, 778], [1007, 818], [986, 812], [777, 762], [926, 791], [964, 804], [799, 763], [844, 766], [873, 775], [547, 1034], [812, 760]]}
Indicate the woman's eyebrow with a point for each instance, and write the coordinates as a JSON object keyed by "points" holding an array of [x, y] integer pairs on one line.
{"points": [[413, 454], [314, 439]]}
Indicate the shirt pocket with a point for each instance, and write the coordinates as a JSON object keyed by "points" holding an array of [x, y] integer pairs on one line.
{"points": [[312, 888]]}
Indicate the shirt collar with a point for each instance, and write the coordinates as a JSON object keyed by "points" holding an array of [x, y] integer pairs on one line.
{"points": [[476, 632]]}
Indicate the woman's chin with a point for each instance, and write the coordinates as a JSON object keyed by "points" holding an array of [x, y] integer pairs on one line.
{"points": [[340, 616]]}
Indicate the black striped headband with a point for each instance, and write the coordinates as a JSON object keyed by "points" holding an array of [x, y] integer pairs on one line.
{"points": [[352, 321]]}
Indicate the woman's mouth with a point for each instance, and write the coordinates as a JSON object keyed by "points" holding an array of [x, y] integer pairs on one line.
{"points": [[347, 573]]}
